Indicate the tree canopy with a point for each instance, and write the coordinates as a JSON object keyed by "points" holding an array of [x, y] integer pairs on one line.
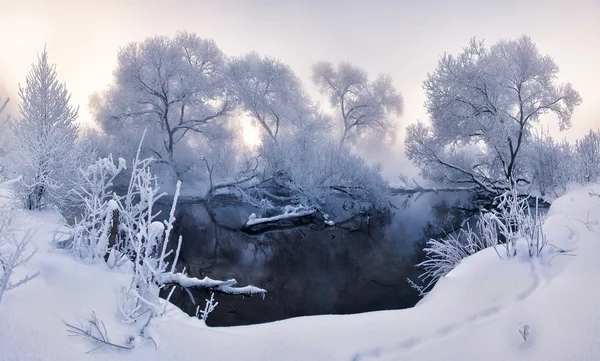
{"points": [[483, 104]]}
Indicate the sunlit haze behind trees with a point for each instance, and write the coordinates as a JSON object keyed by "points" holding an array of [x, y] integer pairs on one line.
{"points": [[404, 39]]}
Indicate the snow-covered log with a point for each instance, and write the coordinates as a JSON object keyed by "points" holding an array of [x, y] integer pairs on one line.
{"points": [[289, 212], [291, 215], [184, 281]]}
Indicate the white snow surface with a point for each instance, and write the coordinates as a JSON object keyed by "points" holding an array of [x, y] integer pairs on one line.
{"points": [[474, 313]]}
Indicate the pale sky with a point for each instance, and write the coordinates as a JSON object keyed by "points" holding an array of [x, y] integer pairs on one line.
{"points": [[402, 38]]}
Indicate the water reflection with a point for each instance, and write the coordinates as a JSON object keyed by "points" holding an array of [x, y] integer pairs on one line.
{"points": [[361, 265]]}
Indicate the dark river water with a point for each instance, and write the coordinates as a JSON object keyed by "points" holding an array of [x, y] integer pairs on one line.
{"points": [[360, 264]]}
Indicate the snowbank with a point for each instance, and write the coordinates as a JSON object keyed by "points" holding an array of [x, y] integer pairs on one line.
{"points": [[474, 313]]}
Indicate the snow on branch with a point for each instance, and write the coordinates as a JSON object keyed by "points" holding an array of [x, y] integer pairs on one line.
{"points": [[13, 254], [95, 331], [11, 181], [289, 212], [227, 286], [209, 306]]}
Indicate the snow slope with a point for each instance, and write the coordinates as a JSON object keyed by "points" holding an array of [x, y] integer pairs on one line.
{"points": [[474, 313]]}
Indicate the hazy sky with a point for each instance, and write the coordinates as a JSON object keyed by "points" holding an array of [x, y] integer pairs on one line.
{"points": [[402, 38]]}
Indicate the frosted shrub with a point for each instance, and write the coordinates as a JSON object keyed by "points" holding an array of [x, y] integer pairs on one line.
{"points": [[14, 253], [500, 228], [101, 210], [515, 222], [551, 164], [209, 306], [587, 154], [443, 255]]}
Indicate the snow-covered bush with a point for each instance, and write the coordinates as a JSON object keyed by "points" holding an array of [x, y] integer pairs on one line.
{"points": [[127, 225], [151, 270], [91, 235], [587, 157], [14, 253], [209, 306], [147, 243], [511, 221], [514, 222], [445, 254], [5, 138], [319, 166]]}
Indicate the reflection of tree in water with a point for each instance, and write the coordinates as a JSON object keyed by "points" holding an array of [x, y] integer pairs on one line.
{"points": [[447, 218], [309, 270]]}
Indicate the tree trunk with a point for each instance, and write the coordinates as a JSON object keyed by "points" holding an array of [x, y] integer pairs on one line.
{"points": [[112, 237], [34, 200]]}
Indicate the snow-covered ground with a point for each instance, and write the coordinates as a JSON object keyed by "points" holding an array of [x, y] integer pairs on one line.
{"points": [[474, 313]]}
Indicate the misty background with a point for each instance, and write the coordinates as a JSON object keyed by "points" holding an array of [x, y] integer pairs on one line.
{"points": [[402, 38]]}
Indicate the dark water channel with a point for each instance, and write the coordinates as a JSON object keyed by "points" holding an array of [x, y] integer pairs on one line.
{"points": [[361, 264]]}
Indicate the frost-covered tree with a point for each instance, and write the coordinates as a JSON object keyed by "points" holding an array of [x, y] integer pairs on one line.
{"points": [[218, 160], [316, 170], [269, 92], [482, 105], [46, 153], [172, 86], [550, 165], [298, 154], [587, 157], [366, 107]]}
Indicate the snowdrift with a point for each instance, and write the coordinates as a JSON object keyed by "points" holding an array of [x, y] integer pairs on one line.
{"points": [[473, 313]]}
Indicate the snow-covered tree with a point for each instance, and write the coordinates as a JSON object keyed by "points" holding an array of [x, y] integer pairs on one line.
{"points": [[298, 154], [366, 107], [172, 86], [483, 104], [551, 165], [46, 153], [316, 170], [269, 92], [587, 157]]}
